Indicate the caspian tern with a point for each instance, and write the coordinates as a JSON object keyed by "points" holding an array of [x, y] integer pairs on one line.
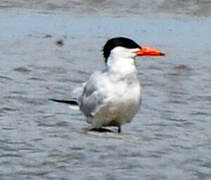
{"points": [[112, 97]]}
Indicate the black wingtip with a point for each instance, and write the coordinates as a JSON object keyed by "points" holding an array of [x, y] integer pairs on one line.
{"points": [[70, 102]]}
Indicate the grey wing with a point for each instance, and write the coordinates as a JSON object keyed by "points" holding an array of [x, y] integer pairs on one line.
{"points": [[76, 93], [92, 98]]}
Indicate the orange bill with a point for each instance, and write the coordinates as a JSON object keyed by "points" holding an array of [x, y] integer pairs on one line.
{"points": [[148, 51]]}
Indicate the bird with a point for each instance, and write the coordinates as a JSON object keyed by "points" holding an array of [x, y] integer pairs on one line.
{"points": [[112, 96]]}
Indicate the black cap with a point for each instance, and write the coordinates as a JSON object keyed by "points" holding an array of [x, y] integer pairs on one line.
{"points": [[118, 41]]}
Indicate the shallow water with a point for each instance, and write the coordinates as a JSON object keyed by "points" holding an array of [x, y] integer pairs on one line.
{"points": [[168, 139], [193, 8]]}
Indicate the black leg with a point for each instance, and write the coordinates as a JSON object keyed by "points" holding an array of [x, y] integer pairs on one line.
{"points": [[119, 129]]}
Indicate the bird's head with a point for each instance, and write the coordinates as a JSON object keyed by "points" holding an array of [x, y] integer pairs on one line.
{"points": [[122, 47]]}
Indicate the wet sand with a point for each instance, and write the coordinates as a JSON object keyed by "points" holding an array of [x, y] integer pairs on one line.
{"points": [[46, 51]]}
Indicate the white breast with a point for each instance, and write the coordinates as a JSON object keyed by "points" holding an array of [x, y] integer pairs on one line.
{"points": [[122, 103]]}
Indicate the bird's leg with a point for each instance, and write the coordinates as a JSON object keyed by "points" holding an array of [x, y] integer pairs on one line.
{"points": [[119, 129]]}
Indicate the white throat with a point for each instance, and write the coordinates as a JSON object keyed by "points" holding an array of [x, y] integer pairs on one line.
{"points": [[122, 60]]}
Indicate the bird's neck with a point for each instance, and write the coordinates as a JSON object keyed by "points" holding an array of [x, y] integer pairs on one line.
{"points": [[122, 66]]}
